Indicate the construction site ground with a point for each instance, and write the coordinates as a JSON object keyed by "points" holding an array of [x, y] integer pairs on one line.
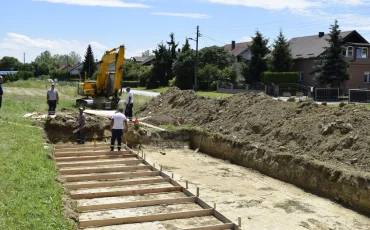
{"points": [[261, 201]]}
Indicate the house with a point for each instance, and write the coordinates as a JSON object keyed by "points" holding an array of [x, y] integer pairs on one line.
{"points": [[66, 67], [4, 73], [239, 49], [147, 61], [306, 50], [76, 69]]}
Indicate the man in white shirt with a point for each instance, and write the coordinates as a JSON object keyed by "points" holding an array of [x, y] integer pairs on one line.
{"points": [[52, 98], [129, 103], [116, 125]]}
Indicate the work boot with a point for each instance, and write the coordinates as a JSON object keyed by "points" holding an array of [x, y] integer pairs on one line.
{"points": [[112, 149], [119, 149]]}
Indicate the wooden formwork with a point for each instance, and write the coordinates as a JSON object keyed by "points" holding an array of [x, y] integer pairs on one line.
{"points": [[85, 166]]}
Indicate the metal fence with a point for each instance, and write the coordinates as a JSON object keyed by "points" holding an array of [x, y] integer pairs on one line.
{"points": [[327, 94], [359, 96], [292, 89]]}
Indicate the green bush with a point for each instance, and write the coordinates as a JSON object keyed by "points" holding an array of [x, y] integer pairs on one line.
{"points": [[24, 75], [279, 77], [32, 79], [44, 77], [74, 76], [132, 84], [172, 83], [11, 78], [61, 75]]}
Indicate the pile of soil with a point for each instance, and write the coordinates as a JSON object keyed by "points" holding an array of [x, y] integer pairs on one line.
{"points": [[338, 135]]}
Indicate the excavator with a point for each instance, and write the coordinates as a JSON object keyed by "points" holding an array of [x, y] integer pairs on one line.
{"points": [[105, 92]]}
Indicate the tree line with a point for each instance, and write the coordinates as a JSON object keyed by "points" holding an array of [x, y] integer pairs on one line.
{"points": [[176, 67]]}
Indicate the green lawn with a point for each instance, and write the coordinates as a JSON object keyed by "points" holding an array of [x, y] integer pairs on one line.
{"points": [[30, 197], [200, 93]]}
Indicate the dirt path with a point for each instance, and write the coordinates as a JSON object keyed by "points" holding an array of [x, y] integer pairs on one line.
{"points": [[262, 202]]}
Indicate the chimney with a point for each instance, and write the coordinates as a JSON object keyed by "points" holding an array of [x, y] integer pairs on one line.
{"points": [[321, 34], [232, 45]]}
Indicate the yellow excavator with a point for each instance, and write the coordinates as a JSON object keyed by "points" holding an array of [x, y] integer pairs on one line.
{"points": [[105, 91]]}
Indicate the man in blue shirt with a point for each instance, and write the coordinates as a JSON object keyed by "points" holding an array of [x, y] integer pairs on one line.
{"points": [[1, 90]]}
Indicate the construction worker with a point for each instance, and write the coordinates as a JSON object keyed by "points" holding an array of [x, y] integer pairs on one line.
{"points": [[129, 103], [81, 125], [1, 90], [52, 99], [116, 125]]}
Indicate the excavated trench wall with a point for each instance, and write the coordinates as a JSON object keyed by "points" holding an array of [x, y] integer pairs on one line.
{"points": [[347, 188]]}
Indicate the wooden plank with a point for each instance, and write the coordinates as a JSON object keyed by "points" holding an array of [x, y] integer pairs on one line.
{"points": [[108, 156], [73, 146], [117, 183], [104, 170], [81, 149], [110, 176], [136, 204], [214, 227], [142, 219], [90, 153], [124, 193], [97, 163]]}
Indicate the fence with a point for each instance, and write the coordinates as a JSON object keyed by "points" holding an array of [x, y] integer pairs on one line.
{"points": [[225, 87], [359, 96], [327, 94], [292, 89]]}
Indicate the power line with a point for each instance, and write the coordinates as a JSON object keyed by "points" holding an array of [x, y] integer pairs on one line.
{"points": [[214, 40]]}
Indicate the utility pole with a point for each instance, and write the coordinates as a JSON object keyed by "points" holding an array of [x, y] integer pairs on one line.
{"points": [[196, 62], [24, 58]]}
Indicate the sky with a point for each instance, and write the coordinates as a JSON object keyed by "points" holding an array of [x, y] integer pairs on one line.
{"points": [[62, 26]]}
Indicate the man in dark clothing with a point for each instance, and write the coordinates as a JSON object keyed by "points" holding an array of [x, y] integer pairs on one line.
{"points": [[81, 126], [116, 125], [52, 99], [1, 90]]}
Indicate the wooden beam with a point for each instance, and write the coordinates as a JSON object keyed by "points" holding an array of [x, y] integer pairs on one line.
{"points": [[136, 204], [124, 193], [105, 147], [80, 146], [104, 170], [90, 153], [142, 219], [110, 176], [117, 183], [108, 156], [96, 163], [214, 227]]}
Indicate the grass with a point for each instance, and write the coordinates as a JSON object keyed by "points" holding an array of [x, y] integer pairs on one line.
{"points": [[30, 197], [213, 94]]}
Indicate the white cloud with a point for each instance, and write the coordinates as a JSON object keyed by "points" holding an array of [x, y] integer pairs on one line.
{"points": [[247, 39], [16, 44], [271, 4], [107, 3], [186, 15]]}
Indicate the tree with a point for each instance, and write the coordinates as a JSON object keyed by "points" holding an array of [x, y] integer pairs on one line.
{"points": [[42, 69], [173, 46], [215, 55], [186, 46], [9, 64], [75, 58], [257, 65], [44, 57], [24, 75], [27, 67], [281, 60], [184, 70], [161, 67], [331, 67], [88, 65], [147, 53]]}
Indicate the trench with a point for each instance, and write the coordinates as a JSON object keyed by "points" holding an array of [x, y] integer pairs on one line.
{"points": [[349, 189]]}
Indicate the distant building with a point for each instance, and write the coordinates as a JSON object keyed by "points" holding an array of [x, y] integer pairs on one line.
{"points": [[239, 49], [148, 60], [4, 73]]}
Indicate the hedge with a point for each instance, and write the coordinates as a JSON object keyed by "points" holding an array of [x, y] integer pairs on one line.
{"points": [[132, 84], [279, 77]]}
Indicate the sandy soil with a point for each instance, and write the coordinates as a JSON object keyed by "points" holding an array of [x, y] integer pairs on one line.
{"points": [[262, 202]]}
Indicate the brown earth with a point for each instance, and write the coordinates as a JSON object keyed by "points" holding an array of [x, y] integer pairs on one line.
{"points": [[337, 135]]}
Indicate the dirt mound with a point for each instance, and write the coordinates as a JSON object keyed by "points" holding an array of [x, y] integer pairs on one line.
{"points": [[333, 134]]}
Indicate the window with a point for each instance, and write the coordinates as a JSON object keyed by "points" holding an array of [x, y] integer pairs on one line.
{"points": [[362, 52], [348, 52], [367, 77], [300, 78]]}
